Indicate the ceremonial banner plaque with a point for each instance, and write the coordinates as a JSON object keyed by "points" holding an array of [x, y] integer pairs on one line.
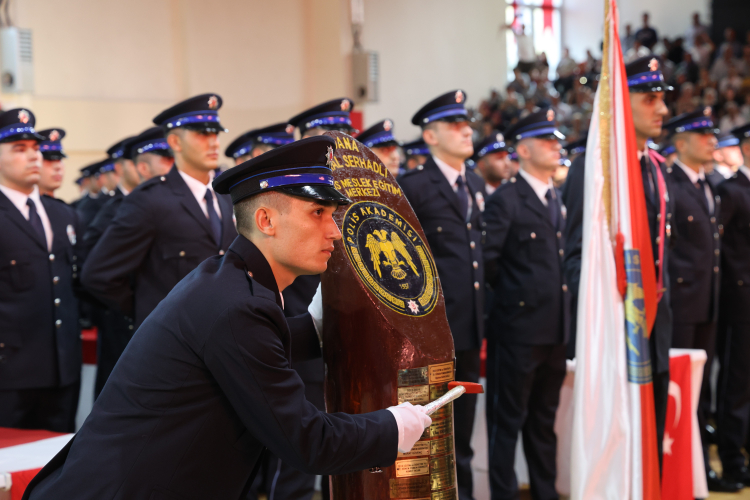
{"points": [[386, 338]]}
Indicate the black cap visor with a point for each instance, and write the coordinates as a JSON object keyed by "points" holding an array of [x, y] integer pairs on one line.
{"points": [[648, 87], [53, 155], [320, 192], [25, 136], [208, 127]]}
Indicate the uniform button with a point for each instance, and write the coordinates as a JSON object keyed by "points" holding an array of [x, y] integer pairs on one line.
{"points": [[439, 229], [182, 253], [690, 218], [484, 233], [716, 269], [51, 257], [12, 262], [75, 275], [713, 220], [658, 216], [565, 288], [75, 267], [716, 236], [475, 264], [55, 280], [657, 262], [163, 178], [58, 323], [484, 224], [533, 235], [468, 226], [476, 285], [669, 216], [559, 234], [513, 179], [472, 245], [561, 252], [57, 302], [522, 303], [221, 252], [658, 239], [740, 282], [2, 345], [130, 327], [717, 251], [680, 280]]}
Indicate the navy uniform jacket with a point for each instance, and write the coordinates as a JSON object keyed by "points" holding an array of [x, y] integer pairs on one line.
{"points": [[455, 244], [100, 223], [40, 343], [735, 258], [694, 256], [523, 255], [88, 207], [573, 199], [159, 235], [203, 387]]}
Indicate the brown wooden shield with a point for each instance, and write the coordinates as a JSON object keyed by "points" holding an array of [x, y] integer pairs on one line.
{"points": [[386, 338]]}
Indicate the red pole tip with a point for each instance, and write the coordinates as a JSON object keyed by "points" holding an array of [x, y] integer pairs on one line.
{"points": [[471, 387]]}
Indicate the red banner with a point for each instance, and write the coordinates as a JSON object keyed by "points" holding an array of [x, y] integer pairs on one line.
{"points": [[677, 474]]}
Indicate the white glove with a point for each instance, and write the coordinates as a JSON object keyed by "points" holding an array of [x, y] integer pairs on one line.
{"points": [[411, 421], [316, 311]]}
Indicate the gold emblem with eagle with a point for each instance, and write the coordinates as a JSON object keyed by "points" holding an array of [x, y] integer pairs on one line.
{"points": [[390, 258]]}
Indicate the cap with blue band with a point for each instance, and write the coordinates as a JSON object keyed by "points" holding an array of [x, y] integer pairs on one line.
{"points": [[51, 147], [697, 122], [330, 115], [379, 135], [18, 125], [644, 75], [447, 107], [197, 113], [273, 135], [540, 124], [418, 147]]}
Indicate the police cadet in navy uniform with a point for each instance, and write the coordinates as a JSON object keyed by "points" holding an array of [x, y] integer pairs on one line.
{"points": [[206, 382], [97, 195], [448, 200], [258, 141], [734, 316], [694, 257], [380, 139], [528, 320], [416, 153], [169, 224], [491, 157], [40, 345], [281, 480], [647, 87], [53, 164], [115, 328]]}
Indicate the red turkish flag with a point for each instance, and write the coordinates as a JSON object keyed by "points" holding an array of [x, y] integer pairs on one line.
{"points": [[677, 474]]}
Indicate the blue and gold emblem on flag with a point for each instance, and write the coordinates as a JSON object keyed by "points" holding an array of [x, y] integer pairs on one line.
{"points": [[639, 356]]}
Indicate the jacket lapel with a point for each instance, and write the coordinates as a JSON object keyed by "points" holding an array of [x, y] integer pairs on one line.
{"points": [[445, 189], [187, 200], [10, 210], [698, 195], [532, 200], [228, 230], [59, 231]]}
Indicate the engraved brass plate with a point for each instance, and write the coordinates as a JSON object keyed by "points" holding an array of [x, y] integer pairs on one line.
{"points": [[419, 449], [416, 395], [444, 412], [441, 373], [441, 446], [413, 376], [413, 467], [411, 487], [441, 427], [444, 495], [439, 464], [437, 390], [443, 479]]}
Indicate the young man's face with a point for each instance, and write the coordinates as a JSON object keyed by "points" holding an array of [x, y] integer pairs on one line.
{"points": [[495, 167], [390, 158], [130, 177], [51, 175], [198, 148], [111, 179], [543, 154], [304, 234], [730, 156], [649, 111], [450, 138], [696, 147], [152, 165], [20, 165]]}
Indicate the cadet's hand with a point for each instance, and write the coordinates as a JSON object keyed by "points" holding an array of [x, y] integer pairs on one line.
{"points": [[411, 422], [316, 311]]}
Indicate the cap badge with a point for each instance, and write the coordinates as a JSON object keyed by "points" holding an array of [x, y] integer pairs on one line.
{"points": [[329, 157], [459, 96], [499, 138], [54, 135], [263, 184], [550, 115], [213, 102], [345, 105], [653, 64], [387, 125], [23, 116], [707, 111], [289, 129]]}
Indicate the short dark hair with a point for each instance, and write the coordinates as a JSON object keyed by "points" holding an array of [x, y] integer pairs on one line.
{"points": [[244, 210]]}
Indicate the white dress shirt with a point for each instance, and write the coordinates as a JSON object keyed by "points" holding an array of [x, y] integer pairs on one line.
{"points": [[19, 200], [539, 186], [451, 174], [745, 171], [199, 191], [489, 188], [694, 178]]}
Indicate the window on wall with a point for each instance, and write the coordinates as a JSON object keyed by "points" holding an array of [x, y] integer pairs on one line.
{"points": [[539, 21]]}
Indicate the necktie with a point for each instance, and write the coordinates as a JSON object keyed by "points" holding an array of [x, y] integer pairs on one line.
{"points": [[702, 189], [648, 179], [463, 197], [213, 217], [554, 212], [36, 221]]}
